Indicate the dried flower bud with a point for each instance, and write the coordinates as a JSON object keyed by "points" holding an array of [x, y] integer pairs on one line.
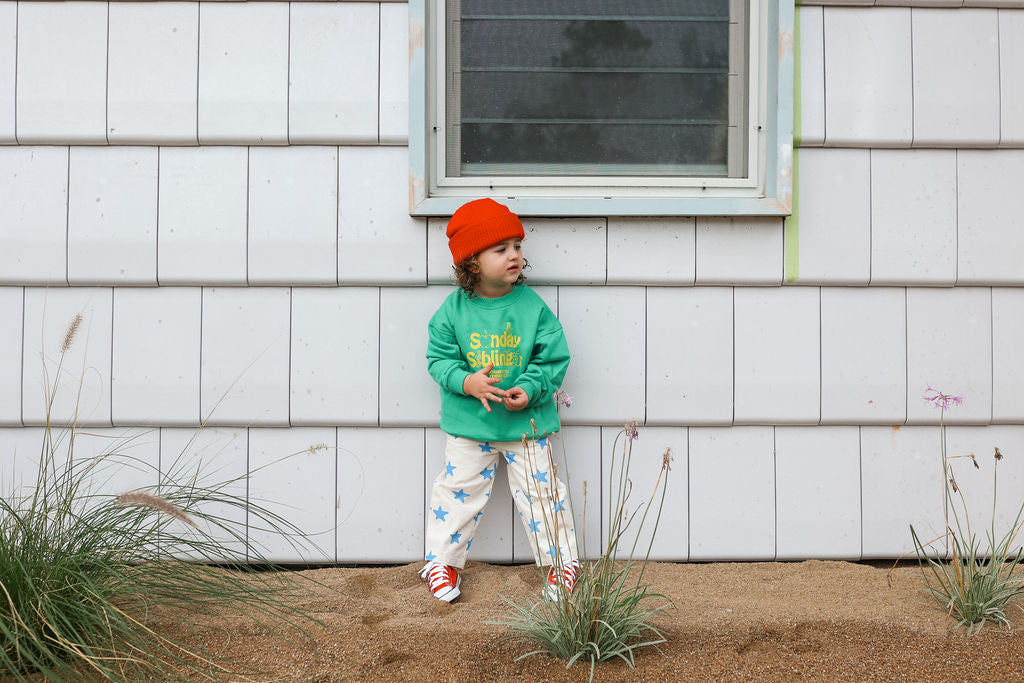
{"points": [[999, 455], [563, 398], [666, 459], [314, 448], [974, 461], [631, 432], [952, 482]]}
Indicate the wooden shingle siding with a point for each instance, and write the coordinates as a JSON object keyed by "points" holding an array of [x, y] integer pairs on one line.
{"points": [[234, 229]]}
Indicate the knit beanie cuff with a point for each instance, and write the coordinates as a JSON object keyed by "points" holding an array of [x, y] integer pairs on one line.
{"points": [[480, 224]]}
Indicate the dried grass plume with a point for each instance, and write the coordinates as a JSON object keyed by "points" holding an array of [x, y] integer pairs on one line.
{"points": [[155, 503], [69, 335]]}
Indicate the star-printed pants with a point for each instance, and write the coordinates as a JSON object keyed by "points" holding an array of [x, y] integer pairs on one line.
{"points": [[463, 488]]}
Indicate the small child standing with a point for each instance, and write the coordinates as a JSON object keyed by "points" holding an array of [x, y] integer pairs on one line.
{"points": [[498, 353]]}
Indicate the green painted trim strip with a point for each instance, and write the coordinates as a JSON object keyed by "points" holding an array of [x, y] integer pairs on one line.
{"points": [[791, 233]]}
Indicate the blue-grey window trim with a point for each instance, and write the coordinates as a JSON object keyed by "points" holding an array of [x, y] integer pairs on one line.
{"points": [[778, 183]]}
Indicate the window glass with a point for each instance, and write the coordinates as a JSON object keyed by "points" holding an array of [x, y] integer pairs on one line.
{"points": [[596, 87]]}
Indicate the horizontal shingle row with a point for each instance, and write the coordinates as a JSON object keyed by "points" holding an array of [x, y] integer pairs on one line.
{"points": [[751, 493], [279, 73], [189, 73], [207, 215], [901, 77], [946, 4], [895, 217], [667, 356], [328, 215]]}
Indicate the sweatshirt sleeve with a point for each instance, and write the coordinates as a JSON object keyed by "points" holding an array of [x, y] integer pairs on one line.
{"points": [[445, 361], [549, 361]]}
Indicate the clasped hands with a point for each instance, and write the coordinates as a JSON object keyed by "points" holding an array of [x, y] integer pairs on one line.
{"points": [[480, 385]]}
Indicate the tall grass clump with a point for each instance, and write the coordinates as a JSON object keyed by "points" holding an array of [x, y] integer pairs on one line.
{"points": [[84, 577], [607, 615], [977, 584]]}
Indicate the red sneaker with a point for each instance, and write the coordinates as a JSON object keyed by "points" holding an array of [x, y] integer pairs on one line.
{"points": [[561, 577], [443, 580]]}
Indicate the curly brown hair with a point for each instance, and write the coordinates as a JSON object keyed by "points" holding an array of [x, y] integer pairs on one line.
{"points": [[467, 275]]}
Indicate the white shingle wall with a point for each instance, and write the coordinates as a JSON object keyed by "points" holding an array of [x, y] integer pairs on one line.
{"points": [[293, 285], [8, 57], [152, 70], [61, 73]]}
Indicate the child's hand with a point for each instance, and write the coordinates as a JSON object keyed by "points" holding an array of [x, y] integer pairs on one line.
{"points": [[516, 398], [482, 387]]}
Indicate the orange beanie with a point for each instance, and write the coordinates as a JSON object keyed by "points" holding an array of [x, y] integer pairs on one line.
{"points": [[479, 224]]}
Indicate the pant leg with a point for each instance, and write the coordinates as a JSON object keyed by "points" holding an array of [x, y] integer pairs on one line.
{"points": [[457, 499], [543, 501]]}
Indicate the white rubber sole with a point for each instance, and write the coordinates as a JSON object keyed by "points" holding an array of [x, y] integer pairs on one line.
{"points": [[451, 593]]}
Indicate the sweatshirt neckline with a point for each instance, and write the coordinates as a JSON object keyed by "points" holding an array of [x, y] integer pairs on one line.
{"points": [[499, 302]]}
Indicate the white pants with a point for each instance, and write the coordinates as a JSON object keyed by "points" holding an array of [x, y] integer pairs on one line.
{"points": [[463, 488]]}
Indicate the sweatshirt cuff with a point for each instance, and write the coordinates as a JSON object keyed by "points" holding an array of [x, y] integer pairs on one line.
{"points": [[532, 390], [455, 381]]}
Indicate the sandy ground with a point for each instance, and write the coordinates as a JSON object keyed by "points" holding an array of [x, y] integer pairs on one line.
{"points": [[733, 622]]}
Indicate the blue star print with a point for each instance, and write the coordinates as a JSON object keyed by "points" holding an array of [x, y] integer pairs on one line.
{"points": [[559, 506], [469, 544], [487, 472], [439, 513], [449, 470], [541, 477], [461, 495], [477, 516], [455, 537], [486, 447], [430, 557], [534, 526], [543, 442], [510, 457], [552, 551], [528, 498]]}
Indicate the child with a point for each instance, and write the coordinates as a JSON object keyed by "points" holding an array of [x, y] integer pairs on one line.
{"points": [[499, 354]]}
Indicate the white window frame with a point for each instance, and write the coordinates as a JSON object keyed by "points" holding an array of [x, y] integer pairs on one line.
{"points": [[767, 191]]}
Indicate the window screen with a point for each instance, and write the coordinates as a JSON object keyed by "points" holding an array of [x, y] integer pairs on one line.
{"points": [[596, 88]]}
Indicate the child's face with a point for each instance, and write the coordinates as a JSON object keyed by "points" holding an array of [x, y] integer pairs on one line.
{"points": [[500, 266]]}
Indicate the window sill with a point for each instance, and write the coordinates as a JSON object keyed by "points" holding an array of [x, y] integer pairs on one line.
{"points": [[634, 206]]}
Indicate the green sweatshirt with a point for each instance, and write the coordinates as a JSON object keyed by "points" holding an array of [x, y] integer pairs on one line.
{"points": [[520, 335]]}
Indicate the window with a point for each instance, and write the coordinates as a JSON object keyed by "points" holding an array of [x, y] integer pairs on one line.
{"points": [[601, 107]]}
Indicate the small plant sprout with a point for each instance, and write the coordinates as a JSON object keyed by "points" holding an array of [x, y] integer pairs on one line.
{"points": [[977, 584], [607, 615]]}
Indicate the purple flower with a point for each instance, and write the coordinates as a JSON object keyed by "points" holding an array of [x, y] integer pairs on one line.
{"points": [[631, 433], [941, 400], [562, 398]]}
